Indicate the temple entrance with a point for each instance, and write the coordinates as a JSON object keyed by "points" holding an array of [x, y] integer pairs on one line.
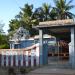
{"points": [[60, 29], [58, 55]]}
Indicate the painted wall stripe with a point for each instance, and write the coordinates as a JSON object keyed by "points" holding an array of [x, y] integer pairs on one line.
{"points": [[2, 58], [27, 58], [7, 60], [37, 56], [16, 60], [11, 60], [32, 57]]}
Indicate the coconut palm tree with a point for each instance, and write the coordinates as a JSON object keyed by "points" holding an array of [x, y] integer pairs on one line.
{"points": [[43, 13], [62, 8], [38, 14], [46, 11]]}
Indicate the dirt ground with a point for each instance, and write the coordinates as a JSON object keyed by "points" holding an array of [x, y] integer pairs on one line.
{"points": [[15, 71]]}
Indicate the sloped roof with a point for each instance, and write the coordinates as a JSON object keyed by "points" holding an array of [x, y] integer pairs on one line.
{"points": [[56, 23], [21, 33], [44, 36]]}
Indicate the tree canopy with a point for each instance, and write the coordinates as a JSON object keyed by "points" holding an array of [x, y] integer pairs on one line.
{"points": [[3, 38], [28, 17], [24, 19], [1, 28], [62, 9]]}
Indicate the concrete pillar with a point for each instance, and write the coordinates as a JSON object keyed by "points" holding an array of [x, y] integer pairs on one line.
{"points": [[41, 46], [2, 60], [43, 49], [57, 49], [13, 45], [27, 59], [16, 60], [11, 60], [37, 55], [10, 46], [72, 52], [45, 53], [32, 57], [6, 60], [21, 60]]}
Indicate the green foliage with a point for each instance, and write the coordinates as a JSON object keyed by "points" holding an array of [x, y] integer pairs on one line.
{"points": [[62, 9], [28, 18], [43, 13], [3, 38], [14, 24], [24, 19], [1, 28], [4, 42], [4, 46]]}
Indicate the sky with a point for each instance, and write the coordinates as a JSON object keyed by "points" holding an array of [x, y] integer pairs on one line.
{"points": [[10, 8]]}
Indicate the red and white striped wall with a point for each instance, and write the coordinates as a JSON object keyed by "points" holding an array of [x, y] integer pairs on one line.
{"points": [[20, 57]]}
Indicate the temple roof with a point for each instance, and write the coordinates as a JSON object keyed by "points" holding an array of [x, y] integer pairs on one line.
{"points": [[44, 36], [56, 23], [21, 33]]}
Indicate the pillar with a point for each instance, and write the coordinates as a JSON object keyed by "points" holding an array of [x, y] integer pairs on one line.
{"points": [[13, 45], [37, 54], [10, 46], [26, 59], [2, 59], [57, 48], [11, 60], [72, 50], [16, 60], [21, 60], [6, 60], [41, 46], [32, 57], [45, 53]]}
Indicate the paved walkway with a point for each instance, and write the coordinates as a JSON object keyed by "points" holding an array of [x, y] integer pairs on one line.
{"points": [[54, 71]]}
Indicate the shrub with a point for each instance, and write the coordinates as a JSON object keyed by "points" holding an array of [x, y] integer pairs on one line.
{"points": [[11, 71], [23, 70], [4, 46]]}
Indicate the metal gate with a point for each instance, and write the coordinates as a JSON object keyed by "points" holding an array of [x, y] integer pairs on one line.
{"points": [[58, 56]]}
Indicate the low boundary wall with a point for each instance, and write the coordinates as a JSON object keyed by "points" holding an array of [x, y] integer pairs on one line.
{"points": [[20, 57]]}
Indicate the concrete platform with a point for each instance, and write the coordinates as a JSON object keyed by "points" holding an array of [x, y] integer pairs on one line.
{"points": [[54, 68], [47, 71]]}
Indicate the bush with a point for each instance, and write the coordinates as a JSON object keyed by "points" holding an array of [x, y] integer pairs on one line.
{"points": [[4, 46], [11, 71], [23, 70]]}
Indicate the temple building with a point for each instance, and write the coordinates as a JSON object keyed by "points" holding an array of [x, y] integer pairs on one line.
{"points": [[54, 44], [62, 30], [21, 39]]}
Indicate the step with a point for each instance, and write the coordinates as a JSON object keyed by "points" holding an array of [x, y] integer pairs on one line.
{"points": [[47, 74]]}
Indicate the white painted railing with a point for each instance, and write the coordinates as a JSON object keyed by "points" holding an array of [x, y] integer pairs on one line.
{"points": [[20, 57]]}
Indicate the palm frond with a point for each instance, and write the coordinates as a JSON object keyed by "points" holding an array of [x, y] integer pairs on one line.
{"points": [[69, 7], [69, 2], [70, 15], [56, 2]]}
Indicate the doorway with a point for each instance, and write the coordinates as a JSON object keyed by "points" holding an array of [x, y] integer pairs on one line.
{"points": [[58, 55]]}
